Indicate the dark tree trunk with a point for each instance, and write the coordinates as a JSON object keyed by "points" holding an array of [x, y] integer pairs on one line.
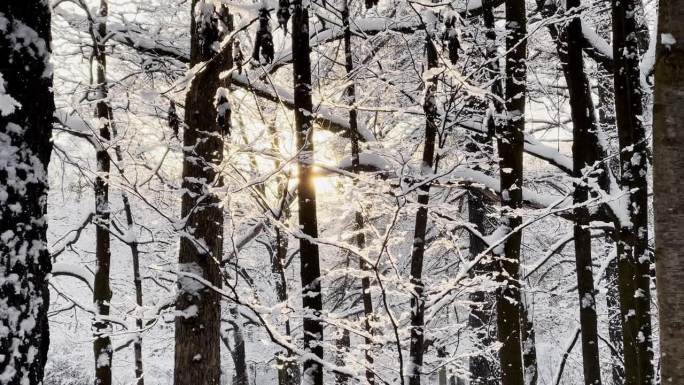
{"points": [[668, 185], [25, 133], [308, 250], [360, 240], [481, 318], [633, 256], [418, 251], [102, 292], [584, 136], [510, 146], [197, 355]]}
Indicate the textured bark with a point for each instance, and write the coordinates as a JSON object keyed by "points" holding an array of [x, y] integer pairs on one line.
{"points": [[25, 133], [310, 271], [633, 255], [102, 291], [510, 146], [359, 238], [584, 135], [416, 349], [197, 354], [668, 185]]}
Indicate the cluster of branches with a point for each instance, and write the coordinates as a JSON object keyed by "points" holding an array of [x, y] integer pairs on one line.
{"points": [[414, 245]]}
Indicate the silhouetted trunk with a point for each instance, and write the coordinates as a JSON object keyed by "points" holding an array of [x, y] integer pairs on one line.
{"points": [[584, 136], [418, 251], [510, 146], [481, 318], [198, 308], [308, 250], [359, 238], [25, 136], [633, 256], [102, 292], [668, 186], [137, 280]]}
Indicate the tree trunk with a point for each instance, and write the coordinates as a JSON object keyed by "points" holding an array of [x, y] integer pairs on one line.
{"points": [[308, 250], [241, 376], [102, 292], [606, 116], [360, 240], [418, 251], [25, 133], [584, 135], [288, 368], [198, 308], [481, 317], [137, 278], [510, 146], [528, 340], [668, 177], [633, 255]]}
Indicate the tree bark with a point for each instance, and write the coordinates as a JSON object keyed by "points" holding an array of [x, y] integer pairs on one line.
{"points": [[198, 308], [510, 147], [668, 177], [310, 271], [584, 136], [25, 134], [102, 292], [416, 349], [633, 256]]}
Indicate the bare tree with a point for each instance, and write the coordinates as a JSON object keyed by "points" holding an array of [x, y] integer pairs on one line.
{"points": [[634, 258], [25, 136], [420, 230], [510, 147], [584, 136], [198, 307], [310, 270], [102, 291]]}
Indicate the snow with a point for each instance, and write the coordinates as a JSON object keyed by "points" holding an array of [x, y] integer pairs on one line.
{"points": [[667, 39], [7, 103]]}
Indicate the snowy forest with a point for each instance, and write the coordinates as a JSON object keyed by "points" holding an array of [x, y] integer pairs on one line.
{"points": [[339, 192]]}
